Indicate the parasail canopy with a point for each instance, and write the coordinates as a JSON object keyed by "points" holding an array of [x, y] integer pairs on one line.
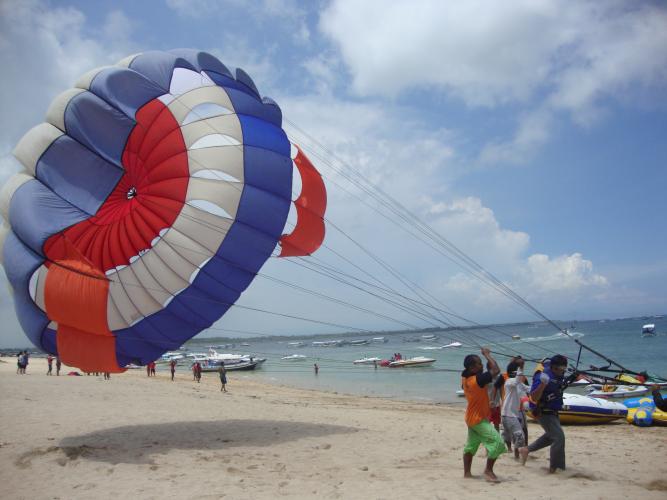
{"points": [[150, 198]]}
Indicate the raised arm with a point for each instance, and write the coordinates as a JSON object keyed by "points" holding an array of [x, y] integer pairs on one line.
{"points": [[493, 366]]}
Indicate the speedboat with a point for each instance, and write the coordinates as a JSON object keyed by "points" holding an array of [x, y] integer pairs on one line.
{"points": [[294, 357], [380, 340], [360, 342], [366, 361], [416, 361], [296, 344], [213, 365], [170, 356], [648, 330], [438, 347], [429, 337], [516, 337]]}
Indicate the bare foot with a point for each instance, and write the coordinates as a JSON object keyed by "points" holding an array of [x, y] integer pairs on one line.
{"points": [[467, 475], [523, 452], [491, 477]]}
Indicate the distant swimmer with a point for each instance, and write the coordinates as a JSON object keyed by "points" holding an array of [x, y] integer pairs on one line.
{"points": [[480, 430]]}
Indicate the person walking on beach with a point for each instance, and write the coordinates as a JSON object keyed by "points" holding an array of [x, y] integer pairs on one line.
{"points": [[58, 365], [546, 400], [19, 363], [197, 370], [480, 430], [148, 369], [316, 368], [107, 376], [512, 414], [223, 377], [172, 368], [49, 362], [152, 365]]}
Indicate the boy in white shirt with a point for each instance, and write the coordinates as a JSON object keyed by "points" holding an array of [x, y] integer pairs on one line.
{"points": [[512, 414]]}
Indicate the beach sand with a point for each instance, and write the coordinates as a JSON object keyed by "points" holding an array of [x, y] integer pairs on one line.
{"points": [[137, 437]]}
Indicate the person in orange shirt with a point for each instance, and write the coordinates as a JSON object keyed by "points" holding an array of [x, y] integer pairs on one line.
{"points": [[480, 431]]}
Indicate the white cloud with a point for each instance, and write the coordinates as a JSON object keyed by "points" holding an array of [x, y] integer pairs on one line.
{"points": [[543, 56], [43, 52]]}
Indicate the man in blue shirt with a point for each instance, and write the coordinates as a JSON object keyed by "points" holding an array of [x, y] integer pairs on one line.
{"points": [[546, 399]]}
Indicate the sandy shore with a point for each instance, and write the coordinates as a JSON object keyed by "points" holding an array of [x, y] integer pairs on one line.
{"points": [[134, 437]]}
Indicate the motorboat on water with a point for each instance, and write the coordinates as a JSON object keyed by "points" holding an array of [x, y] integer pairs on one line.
{"points": [[213, 365], [429, 337], [294, 357], [360, 342], [438, 347], [380, 340], [516, 337], [214, 360], [648, 330], [410, 362], [296, 344], [366, 361]]}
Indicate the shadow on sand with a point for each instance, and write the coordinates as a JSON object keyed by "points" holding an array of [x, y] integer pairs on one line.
{"points": [[137, 443]]}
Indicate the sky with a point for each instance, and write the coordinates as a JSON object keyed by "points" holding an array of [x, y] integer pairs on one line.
{"points": [[530, 134]]}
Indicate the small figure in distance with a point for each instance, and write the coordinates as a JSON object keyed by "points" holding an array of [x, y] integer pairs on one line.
{"points": [[316, 368], [58, 366], [223, 377], [49, 361], [172, 367], [152, 365], [107, 376]]}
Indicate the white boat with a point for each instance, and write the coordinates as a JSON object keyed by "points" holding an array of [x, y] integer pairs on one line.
{"points": [[648, 330], [617, 391], [380, 340], [296, 344], [516, 337], [212, 365], [326, 343], [578, 409], [366, 361], [360, 342], [438, 347], [294, 357], [460, 393], [170, 356], [416, 361], [429, 337]]}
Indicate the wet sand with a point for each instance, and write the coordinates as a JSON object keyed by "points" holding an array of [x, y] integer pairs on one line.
{"points": [[137, 437]]}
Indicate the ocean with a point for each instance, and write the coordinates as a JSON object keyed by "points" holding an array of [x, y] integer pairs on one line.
{"points": [[619, 340]]}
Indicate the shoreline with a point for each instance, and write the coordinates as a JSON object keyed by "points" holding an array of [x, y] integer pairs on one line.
{"points": [[151, 438]]}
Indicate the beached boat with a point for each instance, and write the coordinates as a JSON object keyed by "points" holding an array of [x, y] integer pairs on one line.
{"points": [[170, 356], [213, 365], [578, 409], [294, 357], [366, 361], [411, 362], [648, 330], [617, 391]]}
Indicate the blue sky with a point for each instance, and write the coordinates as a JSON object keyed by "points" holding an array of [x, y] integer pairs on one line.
{"points": [[530, 134]]}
